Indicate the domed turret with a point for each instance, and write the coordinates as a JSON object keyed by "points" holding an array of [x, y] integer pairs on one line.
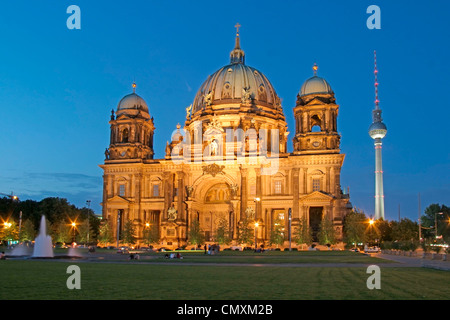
{"points": [[237, 87], [315, 85], [131, 130], [132, 104]]}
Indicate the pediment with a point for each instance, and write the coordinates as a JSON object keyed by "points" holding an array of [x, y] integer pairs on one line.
{"points": [[123, 116], [118, 199], [316, 101], [317, 196]]}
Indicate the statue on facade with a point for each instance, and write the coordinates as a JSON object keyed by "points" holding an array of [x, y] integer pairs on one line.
{"points": [[172, 213]]}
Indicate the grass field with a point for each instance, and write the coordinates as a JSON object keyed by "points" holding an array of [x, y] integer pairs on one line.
{"points": [[31, 279]]}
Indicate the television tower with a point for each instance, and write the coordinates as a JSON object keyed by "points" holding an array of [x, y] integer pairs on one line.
{"points": [[377, 131]]}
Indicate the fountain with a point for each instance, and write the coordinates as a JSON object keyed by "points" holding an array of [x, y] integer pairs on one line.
{"points": [[43, 247], [21, 250]]}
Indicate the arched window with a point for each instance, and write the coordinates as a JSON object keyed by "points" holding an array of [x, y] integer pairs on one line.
{"points": [[125, 135], [316, 123]]}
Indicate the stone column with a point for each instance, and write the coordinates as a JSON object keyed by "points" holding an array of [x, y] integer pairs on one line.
{"points": [[235, 218], [258, 205], [305, 180], [328, 177], [244, 191], [181, 210], [167, 193], [295, 193]]}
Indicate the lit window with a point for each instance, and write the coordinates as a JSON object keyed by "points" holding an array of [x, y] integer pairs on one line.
{"points": [[277, 187], [156, 190], [122, 190], [316, 184], [252, 189]]}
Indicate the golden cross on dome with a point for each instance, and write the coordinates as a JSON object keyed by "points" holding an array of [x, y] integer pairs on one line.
{"points": [[315, 67], [237, 26], [134, 87]]}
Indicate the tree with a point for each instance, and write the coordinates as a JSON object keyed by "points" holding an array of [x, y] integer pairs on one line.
{"points": [[27, 232], [151, 234], [327, 233], [354, 228], [83, 230], [277, 232], [9, 231], [303, 233], [246, 232], [405, 230], [222, 234], [129, 233], [106, 234], [61, 232], [432, 217], [196, 235]]}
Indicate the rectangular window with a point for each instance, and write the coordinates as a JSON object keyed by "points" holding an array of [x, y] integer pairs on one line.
{"points": [[316, 184], [156, 190], [278, 187], [122, 190]]}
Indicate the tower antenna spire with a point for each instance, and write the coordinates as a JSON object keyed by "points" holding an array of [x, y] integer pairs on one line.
{"points": [[377, 101]]}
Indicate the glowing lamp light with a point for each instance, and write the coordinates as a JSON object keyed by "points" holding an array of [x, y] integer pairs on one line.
{"points": [[371, 222]]}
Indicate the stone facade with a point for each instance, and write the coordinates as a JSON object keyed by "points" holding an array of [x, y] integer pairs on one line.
{"points": [[228, 160]]}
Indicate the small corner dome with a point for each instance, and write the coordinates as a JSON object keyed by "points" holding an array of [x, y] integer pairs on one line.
{"points": [[315, 85], [132, 101]]}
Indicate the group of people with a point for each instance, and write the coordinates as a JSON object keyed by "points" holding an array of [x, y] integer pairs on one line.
{"points": [[212, 249], [173, 256], [134, 256]]}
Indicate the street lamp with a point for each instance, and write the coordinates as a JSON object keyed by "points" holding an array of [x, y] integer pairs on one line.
{"points": [[290, 234], [88, 202], [74, 226], [435, 223], [256, 229]]}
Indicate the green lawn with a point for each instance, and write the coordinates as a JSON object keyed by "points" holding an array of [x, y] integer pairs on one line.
{"points": [[31, 279], [268, 257]]}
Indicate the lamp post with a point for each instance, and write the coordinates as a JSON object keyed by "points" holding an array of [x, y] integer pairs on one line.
{"points": [[73, 231], [290, 234], [256, 230], [435, 223], [118, 227], [88, 202]]}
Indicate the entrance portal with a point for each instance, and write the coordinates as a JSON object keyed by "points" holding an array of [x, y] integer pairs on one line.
{"points": [[315, 217]]}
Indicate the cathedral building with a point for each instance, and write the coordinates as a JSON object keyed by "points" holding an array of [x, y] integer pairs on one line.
{"points": [[229, 162]]}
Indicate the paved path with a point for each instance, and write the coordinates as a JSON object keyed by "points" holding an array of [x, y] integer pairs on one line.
{"points": [[416, 261], [399, 261]]}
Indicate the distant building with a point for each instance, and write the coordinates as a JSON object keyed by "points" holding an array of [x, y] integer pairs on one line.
{"points": [[228, 161]]}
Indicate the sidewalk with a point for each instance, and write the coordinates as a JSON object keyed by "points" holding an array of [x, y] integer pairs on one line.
{"points": [[416, 261]]}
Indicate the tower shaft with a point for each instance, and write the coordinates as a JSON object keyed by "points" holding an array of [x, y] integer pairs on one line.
{"points": [[379, 193]]}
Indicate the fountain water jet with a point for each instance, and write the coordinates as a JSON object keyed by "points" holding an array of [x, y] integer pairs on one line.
{"points": [[43, 247]]}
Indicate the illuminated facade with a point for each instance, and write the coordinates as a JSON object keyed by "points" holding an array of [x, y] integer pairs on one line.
{"points": [[229, 160]]}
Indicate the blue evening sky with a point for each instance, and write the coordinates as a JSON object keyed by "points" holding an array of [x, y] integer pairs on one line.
{"points": [[58, 86]]}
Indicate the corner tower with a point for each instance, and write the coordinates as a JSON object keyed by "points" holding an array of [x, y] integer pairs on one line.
{"points": [[315, 115], [131, 130]]}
